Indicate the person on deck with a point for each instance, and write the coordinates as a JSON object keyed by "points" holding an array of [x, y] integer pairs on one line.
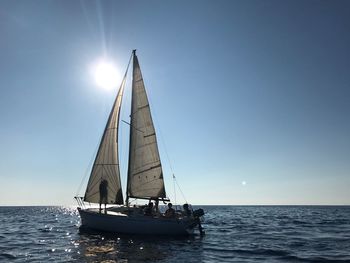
{"points": [[149, 209], [170, 212], [156, 207], [103, 194], [187, 211]]}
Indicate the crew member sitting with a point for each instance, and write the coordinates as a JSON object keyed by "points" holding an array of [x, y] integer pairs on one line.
{"points": [[170, 212], [149, 209], [187, 211]]}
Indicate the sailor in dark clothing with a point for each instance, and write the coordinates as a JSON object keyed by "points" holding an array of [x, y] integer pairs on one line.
{"points": [[170, 212], [103, 194], [148, 211], [187, 211]]}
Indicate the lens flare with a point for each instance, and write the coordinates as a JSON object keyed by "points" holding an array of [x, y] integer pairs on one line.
{"points": [[106, 75]]}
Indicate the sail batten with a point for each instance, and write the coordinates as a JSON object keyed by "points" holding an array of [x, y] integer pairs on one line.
{"points": [[145, 175]]}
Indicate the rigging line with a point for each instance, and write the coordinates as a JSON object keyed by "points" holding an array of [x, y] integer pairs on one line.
{"points": [[180, 189], [132, 126], [166, 152], [88, 168], [174, 190]]}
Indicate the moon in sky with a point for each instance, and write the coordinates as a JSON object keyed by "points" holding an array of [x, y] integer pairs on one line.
{"points": [[244, 183], [106, 75]]}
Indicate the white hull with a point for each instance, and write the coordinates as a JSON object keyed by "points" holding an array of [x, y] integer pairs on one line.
{"points": [[135, 224]]}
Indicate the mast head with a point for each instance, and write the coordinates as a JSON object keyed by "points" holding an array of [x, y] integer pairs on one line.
{"points": [[134, 52]]}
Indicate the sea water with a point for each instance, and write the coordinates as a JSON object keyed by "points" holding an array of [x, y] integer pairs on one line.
{"points": [[233, 234]]}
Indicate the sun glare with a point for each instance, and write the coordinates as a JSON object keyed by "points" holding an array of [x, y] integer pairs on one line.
{"points": [[106, 75]]}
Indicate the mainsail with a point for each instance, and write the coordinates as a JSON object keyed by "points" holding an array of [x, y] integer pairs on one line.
{"points": [[145, 175], [106, 165]]}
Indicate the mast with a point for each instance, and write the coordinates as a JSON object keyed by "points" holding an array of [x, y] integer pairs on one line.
{"points": [[131, 125], [145, 175]]}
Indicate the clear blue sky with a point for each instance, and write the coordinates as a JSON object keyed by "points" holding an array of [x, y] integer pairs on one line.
{"points": [[242, 91]]}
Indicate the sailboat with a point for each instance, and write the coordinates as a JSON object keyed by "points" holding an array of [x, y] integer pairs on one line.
{"points": [[144, 177]]}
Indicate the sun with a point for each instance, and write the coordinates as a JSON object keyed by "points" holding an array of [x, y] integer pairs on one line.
{"points": [[106, 74]]}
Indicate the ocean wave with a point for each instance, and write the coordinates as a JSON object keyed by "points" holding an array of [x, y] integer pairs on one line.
{"points": [[7, 256], [314, 259]]}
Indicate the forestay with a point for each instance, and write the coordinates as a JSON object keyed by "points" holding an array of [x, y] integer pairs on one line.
{"points": [[145, 176]]}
